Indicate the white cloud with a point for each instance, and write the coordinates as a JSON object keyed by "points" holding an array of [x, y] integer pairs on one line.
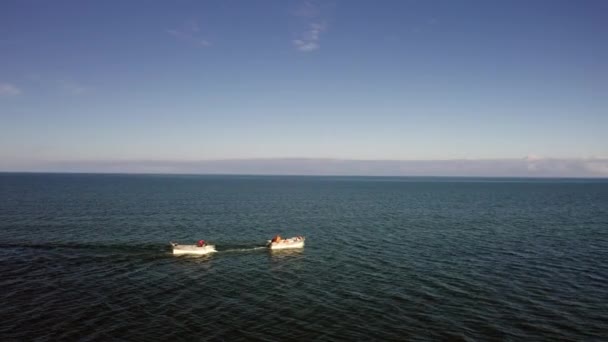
{"points": [[312, 17], [533, 157], [309, 41], [190, 33], [307, 10], [7, 89], [597, 166]]}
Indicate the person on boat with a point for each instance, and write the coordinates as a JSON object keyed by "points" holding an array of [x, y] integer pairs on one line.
{"points": [[277, 238], [201, 243]]}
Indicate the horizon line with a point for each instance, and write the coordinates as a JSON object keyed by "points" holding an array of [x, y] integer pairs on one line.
{"points": [[126, 173]]}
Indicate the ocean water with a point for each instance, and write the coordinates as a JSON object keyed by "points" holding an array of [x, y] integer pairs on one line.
{"points": [[87, 257]]}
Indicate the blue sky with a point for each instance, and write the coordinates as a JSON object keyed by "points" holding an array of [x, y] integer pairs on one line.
{"points": [[365, 80]]}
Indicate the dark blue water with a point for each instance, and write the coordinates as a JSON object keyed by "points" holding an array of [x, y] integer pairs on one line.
{"points": [[87, 257]]}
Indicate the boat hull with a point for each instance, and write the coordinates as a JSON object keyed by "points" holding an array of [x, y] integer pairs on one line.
{"points": [[192, 249], [286, 244]]}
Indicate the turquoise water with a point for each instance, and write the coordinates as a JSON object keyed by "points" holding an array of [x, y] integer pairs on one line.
{"points": [[88, 257]]}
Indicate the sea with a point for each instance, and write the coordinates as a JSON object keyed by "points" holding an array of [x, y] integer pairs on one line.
{"points": [[87, 257]]}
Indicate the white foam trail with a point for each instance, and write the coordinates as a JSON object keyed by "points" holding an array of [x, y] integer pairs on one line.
{"points": [[242, 249]]}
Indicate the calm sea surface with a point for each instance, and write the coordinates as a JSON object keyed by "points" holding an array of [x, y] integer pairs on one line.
{"points": [[87, 257]]}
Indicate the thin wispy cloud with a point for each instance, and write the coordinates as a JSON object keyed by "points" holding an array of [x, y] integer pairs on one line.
{"points": [[57, 84], [309, 41], [8, 89], [313, 26], [190, 33], [70, 87], [307, 9]]}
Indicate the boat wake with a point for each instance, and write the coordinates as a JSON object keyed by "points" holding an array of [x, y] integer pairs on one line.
{"points": [[75, 249], [241, 249]]}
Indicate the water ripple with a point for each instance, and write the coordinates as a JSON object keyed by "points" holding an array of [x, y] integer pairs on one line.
{"points": [[87, 258]]}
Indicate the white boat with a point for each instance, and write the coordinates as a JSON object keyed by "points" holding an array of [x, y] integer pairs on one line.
{"points": [[294, 242], [192, 249]]}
